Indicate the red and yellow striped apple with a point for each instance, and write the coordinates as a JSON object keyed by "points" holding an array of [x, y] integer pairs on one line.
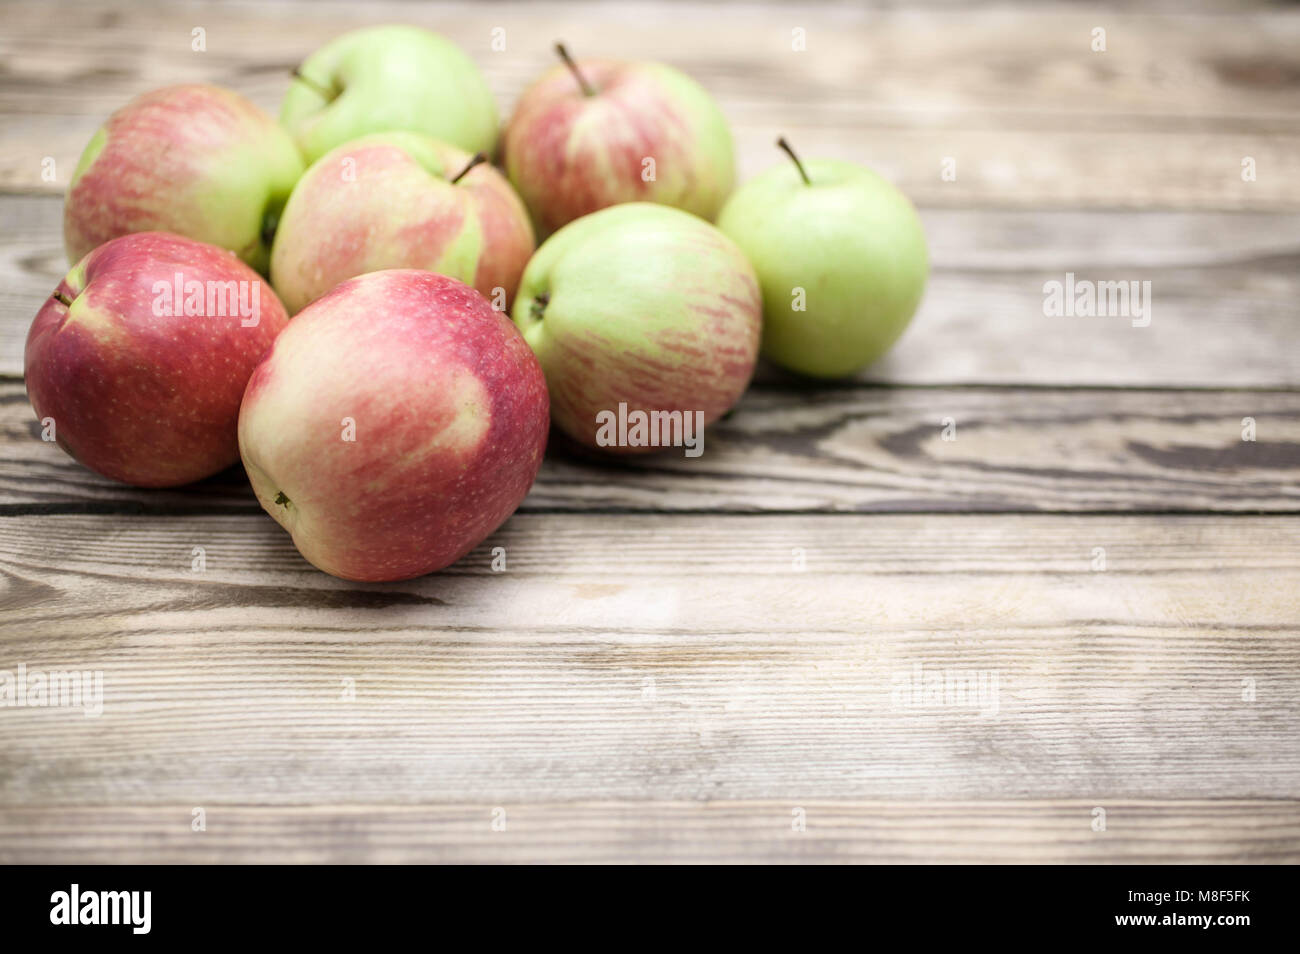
{"points": [[199, 161], [595, 133], [397, 422], [400, 200], [139, 360], [640, 305]]}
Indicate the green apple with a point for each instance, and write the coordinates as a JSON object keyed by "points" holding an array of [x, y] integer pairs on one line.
{"points": [[389, 78], [640, 311], [841, 257]]}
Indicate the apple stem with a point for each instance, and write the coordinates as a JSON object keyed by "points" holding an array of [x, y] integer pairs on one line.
{"points": [[321, 91], [573, 68], [478, 158], [797, 164], [538, 307], [63, 299]]}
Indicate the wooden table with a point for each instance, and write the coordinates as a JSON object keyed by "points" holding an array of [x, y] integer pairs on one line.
{"points": [[708, 659]]}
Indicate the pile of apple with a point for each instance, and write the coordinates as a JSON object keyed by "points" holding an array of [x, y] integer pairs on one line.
{"points": [[399, 417]]}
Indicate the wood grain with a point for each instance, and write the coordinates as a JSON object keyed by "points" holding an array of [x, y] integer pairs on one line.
{"points": [[1225, 294], [661, 658], [804, 448], [987, 832], [1034, 117], [681, 653]]}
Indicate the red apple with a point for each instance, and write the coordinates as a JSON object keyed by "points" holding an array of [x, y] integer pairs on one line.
{"points": [[397, 422], [140, 357], [599, 132], [199, 161], [400, 200]]}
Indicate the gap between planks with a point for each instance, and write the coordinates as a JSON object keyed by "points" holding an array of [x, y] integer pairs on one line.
{"points": [[791, 449]]}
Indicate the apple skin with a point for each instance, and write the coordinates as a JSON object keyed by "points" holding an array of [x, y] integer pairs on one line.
{"points": [[195, 160], [643, 304], [569, 154], [146, 399], [386, 201], [852, 241], [390, 78], [450, 414]]}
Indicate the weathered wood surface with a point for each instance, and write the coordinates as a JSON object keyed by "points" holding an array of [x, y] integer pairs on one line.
{"points": [[662, 658], [652, 678], [983, 832], [1225, 297], [799, 447]]}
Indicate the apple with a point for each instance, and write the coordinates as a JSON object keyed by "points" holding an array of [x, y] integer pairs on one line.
{"points": [[643, 306], [384, 78], [199, 161], [841, 256], [137, 363], [595, 133], [397, 422], [400, 200]]}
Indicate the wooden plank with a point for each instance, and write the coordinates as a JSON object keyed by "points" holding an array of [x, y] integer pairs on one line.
{"points": [[798, 448], [661, 658], [992, 832], [1225, 297], [1162, 119]]}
